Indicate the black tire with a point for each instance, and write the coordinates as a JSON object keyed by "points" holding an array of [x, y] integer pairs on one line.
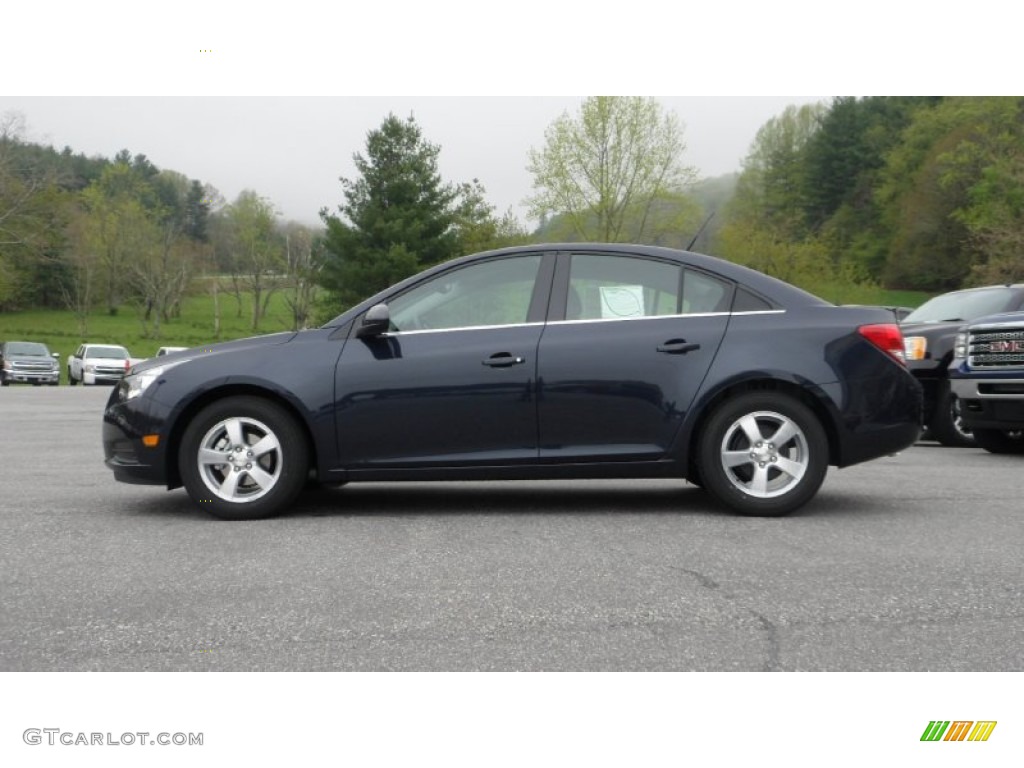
{"points": [[946, 425], [4, 382], [741, 464], [71, 379], [247, 485], [1000, 441]]}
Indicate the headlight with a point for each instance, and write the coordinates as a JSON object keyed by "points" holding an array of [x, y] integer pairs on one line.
{"points": [[915, 347], [90, 368], [7, 365], [134, 384], [960, 346]]}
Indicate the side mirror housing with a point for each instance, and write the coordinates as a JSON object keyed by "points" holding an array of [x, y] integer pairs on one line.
{"points": [[376, 321]]}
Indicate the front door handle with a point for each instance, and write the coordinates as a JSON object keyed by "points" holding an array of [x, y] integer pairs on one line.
{"points": [[677, 347], [503, 360]]}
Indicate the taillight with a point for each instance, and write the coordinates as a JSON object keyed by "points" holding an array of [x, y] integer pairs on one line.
{"points": [[887, 337], [127, 365]]}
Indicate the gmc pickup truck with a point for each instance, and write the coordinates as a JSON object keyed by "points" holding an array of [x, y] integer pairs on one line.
{"points": [[928, 335], [987, 377]]}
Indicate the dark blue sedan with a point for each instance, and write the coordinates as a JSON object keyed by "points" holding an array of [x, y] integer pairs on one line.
{"points": [[548, 361]]}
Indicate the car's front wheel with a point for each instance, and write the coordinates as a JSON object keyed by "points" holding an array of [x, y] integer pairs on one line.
{"points": [[243, 458], [1000, 441], [763, 454]]}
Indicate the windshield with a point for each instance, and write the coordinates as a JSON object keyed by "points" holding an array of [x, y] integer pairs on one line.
{"points": [[962, 306], [27, 349], [117, 353]]}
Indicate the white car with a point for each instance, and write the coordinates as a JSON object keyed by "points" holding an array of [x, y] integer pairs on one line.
{"points": [[98, 363]]}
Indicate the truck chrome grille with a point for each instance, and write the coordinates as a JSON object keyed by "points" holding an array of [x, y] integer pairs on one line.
{"points": [[996, 349]]}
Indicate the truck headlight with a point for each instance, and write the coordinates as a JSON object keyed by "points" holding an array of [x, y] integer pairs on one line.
{"points": [[89, 368], [915, 347], [134, 384], [960, 346]]}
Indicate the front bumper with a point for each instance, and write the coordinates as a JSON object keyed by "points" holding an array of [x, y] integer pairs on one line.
{"points": [[991, 403], [930, 376], [30, 377], [123, 450]]}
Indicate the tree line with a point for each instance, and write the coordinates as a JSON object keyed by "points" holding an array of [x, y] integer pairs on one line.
{"points": [[920, 193], [120, 234]]}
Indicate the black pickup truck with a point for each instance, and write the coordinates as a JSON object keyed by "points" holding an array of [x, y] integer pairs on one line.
{"points": [[987, 377], [929, 333]]}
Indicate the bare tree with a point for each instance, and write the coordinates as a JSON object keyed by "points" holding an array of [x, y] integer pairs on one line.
{"points": [[614, 172], [258, 253], [304, 258]]}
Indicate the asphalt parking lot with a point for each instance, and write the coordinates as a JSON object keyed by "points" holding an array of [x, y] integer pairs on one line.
{"points": [[907, 563]]}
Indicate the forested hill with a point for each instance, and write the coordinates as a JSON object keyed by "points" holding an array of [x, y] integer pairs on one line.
{"points": [[918, 193]]}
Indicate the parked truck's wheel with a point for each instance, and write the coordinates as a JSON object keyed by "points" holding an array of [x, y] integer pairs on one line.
{"points": [[947, 425]]}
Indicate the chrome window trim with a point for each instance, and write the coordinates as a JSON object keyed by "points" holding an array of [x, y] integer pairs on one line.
{"points": [[668, 317], [418, 332]]}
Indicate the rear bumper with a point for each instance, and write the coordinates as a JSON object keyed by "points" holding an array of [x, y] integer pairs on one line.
{"points": [[877, 417]]}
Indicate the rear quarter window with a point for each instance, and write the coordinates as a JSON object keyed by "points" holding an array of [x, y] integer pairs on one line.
{"points": [[749, 302]]}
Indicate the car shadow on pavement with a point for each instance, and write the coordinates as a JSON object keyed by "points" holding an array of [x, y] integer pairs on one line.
{"points": [[501, 497]]}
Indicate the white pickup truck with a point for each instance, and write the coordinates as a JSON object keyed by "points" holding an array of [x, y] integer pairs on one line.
{"points": [[98, 363]]}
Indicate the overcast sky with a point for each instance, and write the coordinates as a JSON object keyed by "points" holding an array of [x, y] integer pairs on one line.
{"points": [[294, 149], [278, 98]]}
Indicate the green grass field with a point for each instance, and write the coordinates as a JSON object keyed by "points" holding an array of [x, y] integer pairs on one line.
{"points": [[59, 329]]}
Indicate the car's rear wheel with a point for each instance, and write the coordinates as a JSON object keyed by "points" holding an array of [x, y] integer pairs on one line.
{"points": [[243, 458], [71, 379], [1000, 441], [763, 454], [947, 424]]}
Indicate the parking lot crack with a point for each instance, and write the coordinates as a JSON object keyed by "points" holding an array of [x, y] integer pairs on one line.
{"points": [[769, 629]]}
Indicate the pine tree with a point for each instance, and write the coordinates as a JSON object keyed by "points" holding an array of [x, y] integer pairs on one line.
{"points": [[398, 215]]}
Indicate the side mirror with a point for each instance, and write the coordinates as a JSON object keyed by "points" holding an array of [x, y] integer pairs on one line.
{"points": [[376, 321], [55, 355]]}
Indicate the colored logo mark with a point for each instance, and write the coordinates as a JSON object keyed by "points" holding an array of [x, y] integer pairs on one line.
{"points": [[959, 730]]}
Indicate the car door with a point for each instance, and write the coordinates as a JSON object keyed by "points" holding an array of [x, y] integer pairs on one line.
{"points": [[624, 355], [453, 382]]}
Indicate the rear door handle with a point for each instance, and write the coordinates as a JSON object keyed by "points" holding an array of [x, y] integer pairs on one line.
{"points": [[503, 360], [677, 347]]}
